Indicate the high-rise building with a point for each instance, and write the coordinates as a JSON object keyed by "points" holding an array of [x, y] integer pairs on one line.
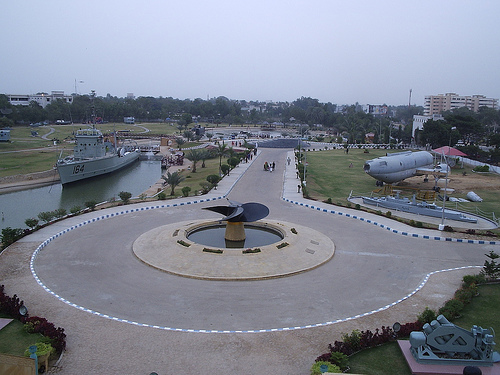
{"points": [[435, 104]]}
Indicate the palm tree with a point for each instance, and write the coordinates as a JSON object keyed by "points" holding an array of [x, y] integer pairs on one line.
{"points": [[173, 179], [204, 155], [195, 156], [180, 141], [221, 151]]}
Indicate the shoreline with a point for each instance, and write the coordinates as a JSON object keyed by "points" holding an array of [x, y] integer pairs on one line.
{"points": [[10, 184]]}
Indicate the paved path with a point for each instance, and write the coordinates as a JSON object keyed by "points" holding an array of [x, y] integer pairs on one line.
{"points": [[286, 322]]}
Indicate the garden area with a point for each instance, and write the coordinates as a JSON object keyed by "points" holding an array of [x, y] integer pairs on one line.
{"points": [[369, 352]]}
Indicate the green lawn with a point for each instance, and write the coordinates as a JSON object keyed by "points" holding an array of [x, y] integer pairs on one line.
{"points": [[329, 175], [483, 311], [382, 360], [14, 340]]}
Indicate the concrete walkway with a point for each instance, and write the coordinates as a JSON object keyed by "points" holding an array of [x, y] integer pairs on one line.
{"points": [[122, 316]]}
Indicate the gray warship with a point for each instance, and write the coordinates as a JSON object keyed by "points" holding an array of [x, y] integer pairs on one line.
{"points": [[419, 208], [94, 156]]}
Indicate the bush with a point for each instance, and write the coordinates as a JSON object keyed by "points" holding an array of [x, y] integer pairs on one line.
{"points": [[233, 162], [56, 335], [388, 214], [10, 235], [451, 309], [75, 209], [316, 368], [340, 359], [225, 169], [91, 205], [11, 305], [186, 190], [447, 228], [213, 179], [31, 222], [59, 213], [46, 216], [468, 280], [205, 187], [427, 316], [125, 196], [162, 196], [465, 295], [419, 224], [482, 168], [41, 349]]}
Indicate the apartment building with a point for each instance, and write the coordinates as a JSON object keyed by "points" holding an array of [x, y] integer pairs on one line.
{"points": [[42, 98], [436, 104]]}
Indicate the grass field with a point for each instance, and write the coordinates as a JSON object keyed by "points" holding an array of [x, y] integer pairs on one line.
{"points": [[329, 175], [14, 340]]}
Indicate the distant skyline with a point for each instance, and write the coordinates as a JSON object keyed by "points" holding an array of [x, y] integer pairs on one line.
{"points": [[371, 52]]}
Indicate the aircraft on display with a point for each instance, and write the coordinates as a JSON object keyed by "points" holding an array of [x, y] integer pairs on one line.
{"points": [[397, 166]]}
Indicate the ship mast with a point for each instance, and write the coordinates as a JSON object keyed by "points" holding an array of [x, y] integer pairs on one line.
{"points": [[92, 106]]}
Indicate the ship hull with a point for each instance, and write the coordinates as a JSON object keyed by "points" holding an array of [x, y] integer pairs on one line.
{"points": [[84, 169], [417, 209]]}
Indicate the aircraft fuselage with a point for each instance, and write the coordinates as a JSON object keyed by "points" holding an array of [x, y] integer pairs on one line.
{"points": [[398, 166]]}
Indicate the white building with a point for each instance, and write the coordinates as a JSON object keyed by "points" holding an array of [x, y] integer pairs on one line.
{"points": [[435, 104], [419, 121], [41, 98]]}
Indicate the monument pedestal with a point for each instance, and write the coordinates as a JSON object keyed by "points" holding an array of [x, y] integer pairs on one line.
{"points": [[235, 231]]}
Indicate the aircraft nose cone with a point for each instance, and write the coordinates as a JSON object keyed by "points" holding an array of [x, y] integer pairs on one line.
{"points": [[366, 167]]}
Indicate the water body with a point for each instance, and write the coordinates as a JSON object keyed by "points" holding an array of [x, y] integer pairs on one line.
{"points": [[255, 236], [18, 206]]}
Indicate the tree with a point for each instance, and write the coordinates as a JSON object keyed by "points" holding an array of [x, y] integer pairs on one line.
{"points": [[173, 180], [180, 141], [435, 132], [491, 268], [195, 156], [221, 151], [185, 120], [189, 135], [204, 155], [467, 125]]}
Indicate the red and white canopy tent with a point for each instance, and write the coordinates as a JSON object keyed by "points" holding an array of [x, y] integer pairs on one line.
{"points": [[449, 151]]}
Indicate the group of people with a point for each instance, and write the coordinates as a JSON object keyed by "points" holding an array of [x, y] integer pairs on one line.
{"points": [[269, 166]]}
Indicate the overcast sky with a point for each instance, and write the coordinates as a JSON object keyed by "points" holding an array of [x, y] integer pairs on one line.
{"points": [[339, 51]]}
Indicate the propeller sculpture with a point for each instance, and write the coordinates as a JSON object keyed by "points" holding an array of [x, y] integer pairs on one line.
{"points": [[238, 213]]}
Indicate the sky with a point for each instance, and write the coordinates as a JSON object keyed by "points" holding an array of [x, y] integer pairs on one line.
{"points": [[338, 51]]}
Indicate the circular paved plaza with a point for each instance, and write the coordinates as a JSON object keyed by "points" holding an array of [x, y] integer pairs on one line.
{"points": [[101, 285]]}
